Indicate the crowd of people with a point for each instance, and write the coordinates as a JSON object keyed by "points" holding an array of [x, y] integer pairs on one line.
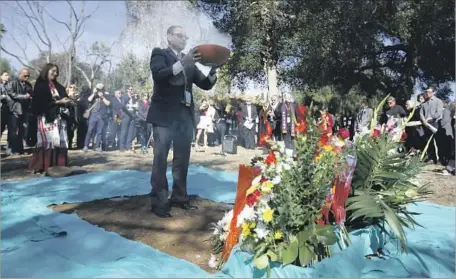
{"points": [[95, 119], [430, 120], [54, 119]]}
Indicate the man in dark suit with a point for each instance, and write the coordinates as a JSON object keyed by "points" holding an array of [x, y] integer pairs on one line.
{"points": [[171, 114], [18, 104], [249, 115]]}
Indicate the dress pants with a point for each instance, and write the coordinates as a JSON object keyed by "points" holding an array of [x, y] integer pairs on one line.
{"points": [[114, 132], [16, 133], [127, 132], [180, 135], [249, 137], [221, 131], [82, 132]]}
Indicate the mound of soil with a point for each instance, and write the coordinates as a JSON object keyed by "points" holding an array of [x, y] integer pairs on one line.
{"points": [[185, 235]]}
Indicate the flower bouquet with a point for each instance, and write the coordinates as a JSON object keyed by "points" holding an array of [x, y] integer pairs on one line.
{"points": [[291, 210]]}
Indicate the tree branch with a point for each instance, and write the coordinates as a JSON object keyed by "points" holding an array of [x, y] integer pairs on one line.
{"points": [[30, 66]]}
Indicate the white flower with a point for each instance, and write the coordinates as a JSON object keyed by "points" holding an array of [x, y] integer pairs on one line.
{"points": [[265, 198], [276, 180], [284, 165], [216, 231], [261, 230], [212, 262], [247, 214], [256, 180], [223, 236], [227, 218]]}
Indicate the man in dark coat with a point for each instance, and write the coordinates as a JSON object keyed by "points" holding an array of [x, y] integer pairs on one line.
{"points": [[171, 114], [18, 103]]}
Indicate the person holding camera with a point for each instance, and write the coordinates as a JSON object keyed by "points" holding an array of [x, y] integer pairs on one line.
{"points": [[98, 117]]}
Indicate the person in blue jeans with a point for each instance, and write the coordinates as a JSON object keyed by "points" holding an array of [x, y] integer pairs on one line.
{"points": [[97, 119]]}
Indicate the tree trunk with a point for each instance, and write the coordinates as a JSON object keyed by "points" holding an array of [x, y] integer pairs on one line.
{"points": [[273, 87]]}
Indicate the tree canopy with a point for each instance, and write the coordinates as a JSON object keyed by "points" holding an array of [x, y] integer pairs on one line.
{"points": [[376, 46]]}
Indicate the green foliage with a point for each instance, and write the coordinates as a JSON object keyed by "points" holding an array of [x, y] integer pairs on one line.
{"points": [[5, 66], [61, 59], [258, 29], [381, 47], [382, 186], [133, 71]]}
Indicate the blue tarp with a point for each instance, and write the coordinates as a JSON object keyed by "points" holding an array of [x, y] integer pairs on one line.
{"points": [[33, 242]]}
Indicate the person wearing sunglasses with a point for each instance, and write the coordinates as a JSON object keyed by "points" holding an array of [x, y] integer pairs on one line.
{"points": [[171, 113], [18, 104]]}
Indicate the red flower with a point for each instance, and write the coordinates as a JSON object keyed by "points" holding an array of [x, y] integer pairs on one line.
{"points": [[324, 139], [301, 127], [302, 110], [263, 179], [403, 136], [376, 133], [257, 193], [251, 199], [271, 159], [343, 133]]}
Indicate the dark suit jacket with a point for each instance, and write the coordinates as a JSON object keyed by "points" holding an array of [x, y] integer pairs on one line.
{"points": [[245, 113], [169, 90], [16, 102]]}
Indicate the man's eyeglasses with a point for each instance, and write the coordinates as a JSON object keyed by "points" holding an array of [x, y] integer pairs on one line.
{"points": [[26, 76], [181, 36]]}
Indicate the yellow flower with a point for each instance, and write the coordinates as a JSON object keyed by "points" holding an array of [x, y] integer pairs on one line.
{"points": [[328, 147], [278, 235], [268, 184], [267, 215], [318, 158], [245, 229], [251, 190], [252, 225]]}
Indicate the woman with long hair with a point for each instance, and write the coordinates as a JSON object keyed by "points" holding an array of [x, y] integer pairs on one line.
{"points": [[50, 103]]}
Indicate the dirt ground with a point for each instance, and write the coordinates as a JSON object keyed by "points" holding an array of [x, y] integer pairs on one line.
{"points": [[185, 235]]}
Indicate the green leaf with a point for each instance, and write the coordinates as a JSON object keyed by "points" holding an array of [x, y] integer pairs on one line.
{"points": [[273, 256], [303, 236], [410, 193], [290, 253], [261, 262], [326, 235], [305, 255]]}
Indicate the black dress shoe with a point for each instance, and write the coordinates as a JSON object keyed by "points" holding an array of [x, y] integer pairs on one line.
{"points": [[163, 214], [184, 206], [160, 213]]}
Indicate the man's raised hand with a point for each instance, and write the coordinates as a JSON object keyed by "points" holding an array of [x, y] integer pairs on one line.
{"points": [[191, 57]]}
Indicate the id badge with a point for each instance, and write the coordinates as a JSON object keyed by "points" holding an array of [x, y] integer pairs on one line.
{"points": [[188, 98], [288, 119]]}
